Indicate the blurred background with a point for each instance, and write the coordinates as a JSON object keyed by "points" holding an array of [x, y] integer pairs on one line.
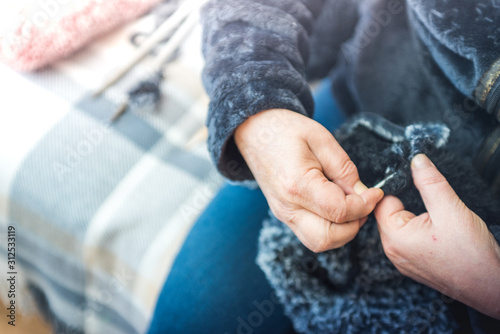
{"points": [[103, 160]]}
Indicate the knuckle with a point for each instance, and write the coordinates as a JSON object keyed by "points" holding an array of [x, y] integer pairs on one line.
{"points": [[339, 212], [278, 214], [284, 214], [391, 250], [347, 168], [296, 188], [341, 240], [292, 190], [327, 208], [320, 246], [291, 218], [424, 218]]}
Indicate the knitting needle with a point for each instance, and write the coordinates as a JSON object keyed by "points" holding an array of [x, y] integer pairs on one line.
{"points": [[176, 40], [383, 182], [170, 24], [173, 43]]}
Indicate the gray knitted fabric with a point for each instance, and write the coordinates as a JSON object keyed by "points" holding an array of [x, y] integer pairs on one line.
{"points": [[356, 288], [327, 293]]}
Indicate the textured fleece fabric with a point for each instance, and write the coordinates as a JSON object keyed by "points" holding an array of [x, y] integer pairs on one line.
{"points": [[407, 60], [356, 289]]}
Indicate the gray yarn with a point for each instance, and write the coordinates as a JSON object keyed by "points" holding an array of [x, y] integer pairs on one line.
{"points": [[374, 298], [356, 289]]}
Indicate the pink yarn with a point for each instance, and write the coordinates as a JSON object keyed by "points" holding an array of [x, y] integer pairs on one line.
{"points": [[31, 47]]}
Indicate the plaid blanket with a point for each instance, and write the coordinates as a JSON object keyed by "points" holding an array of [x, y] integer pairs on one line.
{"points": [[100, 209]]}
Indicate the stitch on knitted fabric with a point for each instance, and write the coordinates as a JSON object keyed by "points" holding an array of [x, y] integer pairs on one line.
{"points": [[356, 288]]}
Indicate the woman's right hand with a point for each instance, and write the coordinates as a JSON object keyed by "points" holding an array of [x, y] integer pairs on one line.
{"points": [[308, 179]]}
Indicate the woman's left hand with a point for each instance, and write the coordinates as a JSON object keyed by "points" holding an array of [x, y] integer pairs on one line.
{"points": [[448, 248]]}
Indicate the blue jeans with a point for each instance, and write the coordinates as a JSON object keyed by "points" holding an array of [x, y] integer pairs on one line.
{"points": [[215, 285]]}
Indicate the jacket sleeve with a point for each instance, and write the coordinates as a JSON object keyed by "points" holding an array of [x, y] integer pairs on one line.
{"points": [[464, 39], [255, 52]]}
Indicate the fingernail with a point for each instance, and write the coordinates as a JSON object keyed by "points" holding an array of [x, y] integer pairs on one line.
{"points": [[381, 194], [420, 161], [360, 188]]}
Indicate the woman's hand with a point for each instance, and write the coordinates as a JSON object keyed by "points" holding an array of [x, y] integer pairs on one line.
{"points": [[308, 180], [449, 248]]}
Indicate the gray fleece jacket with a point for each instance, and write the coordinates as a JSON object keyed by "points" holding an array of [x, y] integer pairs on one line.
{"points": [[407, 60]]}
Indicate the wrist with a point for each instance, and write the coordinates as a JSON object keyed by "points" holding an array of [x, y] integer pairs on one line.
{"points": [[478, 286], [259, 125]]}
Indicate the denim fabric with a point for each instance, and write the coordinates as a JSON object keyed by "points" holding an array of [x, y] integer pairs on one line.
{"points": [[215, 286], [326, 111]]}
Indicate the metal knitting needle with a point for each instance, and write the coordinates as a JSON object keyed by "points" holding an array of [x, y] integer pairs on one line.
{"points": [[383, 182], [168, 26], [173, 44], [176, 40]]}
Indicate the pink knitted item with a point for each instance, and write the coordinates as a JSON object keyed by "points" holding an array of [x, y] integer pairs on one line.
{"points": [[56, 28]]}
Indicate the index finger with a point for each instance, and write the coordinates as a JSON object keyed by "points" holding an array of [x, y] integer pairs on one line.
{"points": [[320, 235], [335, 162]]}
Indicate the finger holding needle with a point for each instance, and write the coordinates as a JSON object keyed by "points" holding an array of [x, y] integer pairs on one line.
{"points": [[384, 181]]}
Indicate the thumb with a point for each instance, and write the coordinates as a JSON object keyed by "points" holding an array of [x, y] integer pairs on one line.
{"points": [[391, 214], [438, 196]]}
